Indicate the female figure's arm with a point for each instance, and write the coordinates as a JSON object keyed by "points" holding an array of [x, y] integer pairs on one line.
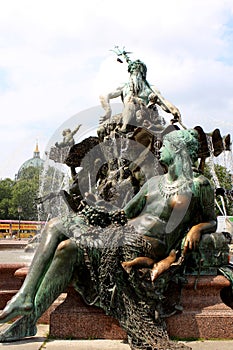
{"points": [[208, 221]]}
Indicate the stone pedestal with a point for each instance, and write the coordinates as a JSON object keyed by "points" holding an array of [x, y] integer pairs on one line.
{"points": [[204, 314], [75, 319], [9, 285]]}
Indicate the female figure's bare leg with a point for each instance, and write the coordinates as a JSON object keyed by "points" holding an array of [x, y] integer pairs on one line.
{"points": [[53, 284], [22, 303]]}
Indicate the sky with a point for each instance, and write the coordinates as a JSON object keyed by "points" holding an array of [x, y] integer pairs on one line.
{"points": [[56, 59]]}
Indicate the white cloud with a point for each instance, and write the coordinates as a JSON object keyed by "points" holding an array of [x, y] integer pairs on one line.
{"points": [[55, 60]]}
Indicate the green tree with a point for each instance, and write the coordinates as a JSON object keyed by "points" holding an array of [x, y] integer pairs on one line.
{"points": [[23, 193], [225, 181], [6, 187]]}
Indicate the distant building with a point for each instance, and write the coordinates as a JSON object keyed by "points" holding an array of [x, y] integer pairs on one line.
{"points": [[35, 162]]}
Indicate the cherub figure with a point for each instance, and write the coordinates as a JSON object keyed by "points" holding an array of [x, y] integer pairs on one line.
{"points": [[68, 137]]}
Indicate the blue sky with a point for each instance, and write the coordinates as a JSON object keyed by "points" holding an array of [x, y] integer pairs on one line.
{"points": [[55, 61]]}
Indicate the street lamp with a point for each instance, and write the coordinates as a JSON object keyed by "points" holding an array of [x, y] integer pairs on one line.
{"points": [[19, 212]]}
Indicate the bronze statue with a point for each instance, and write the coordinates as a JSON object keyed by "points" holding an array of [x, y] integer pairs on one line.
{"points": [[139, 98], [171, 198], [125, 260], [59, 152], [68, 137], [169, 209]]}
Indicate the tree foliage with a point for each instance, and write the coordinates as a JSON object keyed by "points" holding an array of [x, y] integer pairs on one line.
{"points": [[21, 193], [24, 191], [6, 189], [225, 181]]}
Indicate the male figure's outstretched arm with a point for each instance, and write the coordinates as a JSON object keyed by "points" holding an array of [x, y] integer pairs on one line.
{"points": [[105, 101]]}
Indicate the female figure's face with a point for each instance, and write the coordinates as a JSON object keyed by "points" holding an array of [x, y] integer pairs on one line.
{"points": [[166, 153]]}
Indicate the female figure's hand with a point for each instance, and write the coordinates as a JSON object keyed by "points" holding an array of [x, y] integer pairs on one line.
{"points": [[192, 239]]}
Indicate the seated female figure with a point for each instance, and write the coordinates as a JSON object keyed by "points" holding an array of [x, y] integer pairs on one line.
{"points": [[168, 208]]}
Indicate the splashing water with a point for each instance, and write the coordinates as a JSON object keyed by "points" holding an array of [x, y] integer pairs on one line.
{"points": [[53, 179], [214, 175]]}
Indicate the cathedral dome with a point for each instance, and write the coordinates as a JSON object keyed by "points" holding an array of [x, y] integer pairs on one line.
{"points": [[35, 162]]}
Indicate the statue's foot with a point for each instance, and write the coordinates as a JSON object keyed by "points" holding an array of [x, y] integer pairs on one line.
{"points": [[179, 261], [163, 265], [24, 327], [127, 266], [17, 306]]}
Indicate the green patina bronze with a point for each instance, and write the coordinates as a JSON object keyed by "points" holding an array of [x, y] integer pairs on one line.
{"points": [[131, 262]]}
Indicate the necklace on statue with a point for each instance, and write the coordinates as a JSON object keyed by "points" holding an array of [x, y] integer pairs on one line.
{"points": [[174, 188]]}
